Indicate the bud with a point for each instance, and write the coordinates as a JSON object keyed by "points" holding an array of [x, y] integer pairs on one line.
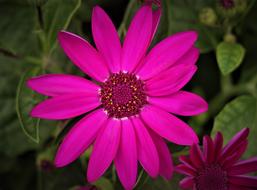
{"points": [[45, 159], [230, 38], [208, 16], [231, 8]]}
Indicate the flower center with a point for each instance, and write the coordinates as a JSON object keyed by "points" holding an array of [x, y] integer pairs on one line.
{"points": [[122, 95], [227, 4], [212, 177]]}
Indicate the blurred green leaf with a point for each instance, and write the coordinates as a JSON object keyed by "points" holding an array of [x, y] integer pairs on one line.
{"points": [[179, 16], [239, 113], [162, 184], [17, 29], [104, 184], [57, 16], [25, 101], [229, 56]]}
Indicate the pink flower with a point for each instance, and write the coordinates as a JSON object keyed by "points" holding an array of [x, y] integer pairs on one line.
{"points": [[218, 168], [131, 104]]}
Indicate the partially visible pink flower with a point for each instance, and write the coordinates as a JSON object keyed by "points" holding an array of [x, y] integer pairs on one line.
{"points": [[218, 167], [156, 2], [131, 105]]}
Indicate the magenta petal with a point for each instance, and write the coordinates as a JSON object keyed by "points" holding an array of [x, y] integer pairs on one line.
{"points": [[234, 142], [126, 158], [83, 55], [170, 81], [187, 183], [60, 84], [243, 167], [218, 143], [186, 161], [146, 150], [166, 164], [235, 156], [167, 53], [189, 58], [168, 126], [106, 38], [196, 156], [156, 20], [248, 181], [181, 103], [208, 149], [104, 150], [137, 38], [184, 169], [66, 106], [79, 138]]}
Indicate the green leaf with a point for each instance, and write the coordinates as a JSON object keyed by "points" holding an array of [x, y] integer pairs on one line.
{"points": [[17, 29], [104, 184], [25, 101], [239, 113], [229, 56], [57, 16], [180, 16]]}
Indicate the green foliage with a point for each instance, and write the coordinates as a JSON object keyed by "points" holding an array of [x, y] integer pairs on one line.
{"points": [[28, 47], [239, 113], [24, 104], [57, 15], [229, 56]]}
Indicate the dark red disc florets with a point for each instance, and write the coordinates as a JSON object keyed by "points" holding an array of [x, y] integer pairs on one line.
{"points": [[122, 95], [212, 177]]}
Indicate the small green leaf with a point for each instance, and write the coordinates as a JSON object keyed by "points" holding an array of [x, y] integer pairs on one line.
{"points": [[229, 56], [57, 16], [104, 183], [239, 113], [24, 103]]}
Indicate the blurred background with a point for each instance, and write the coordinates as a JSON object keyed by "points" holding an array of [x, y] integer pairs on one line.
{"points": [[226, 78]]}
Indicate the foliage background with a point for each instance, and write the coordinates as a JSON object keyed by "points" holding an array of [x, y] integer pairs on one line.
{"points": [[226, 77]]}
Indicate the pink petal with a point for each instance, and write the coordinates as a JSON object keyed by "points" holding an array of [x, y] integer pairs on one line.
{"points": [[243, 167], [146, 150], [65, 106], [106, 38], [186, 161], [168, 126], [126, 158], [79, 138], [170, 81], [208, 149], [167, 53], [235, 156], [181, 103], [60, 84], [166, 164], [234, 142], [189, 58], [187, 183], [196, 156], [137, 38], [156, 20], [184, 169], [248, 181], [83, 55], [218, 143], [104, 150]]}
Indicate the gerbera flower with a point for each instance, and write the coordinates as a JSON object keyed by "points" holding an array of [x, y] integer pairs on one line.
{"points": [[130, 100], [218, 167]]}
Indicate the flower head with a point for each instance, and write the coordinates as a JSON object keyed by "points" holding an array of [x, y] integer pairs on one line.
{"points": [[130, 107], [218, 167]]}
